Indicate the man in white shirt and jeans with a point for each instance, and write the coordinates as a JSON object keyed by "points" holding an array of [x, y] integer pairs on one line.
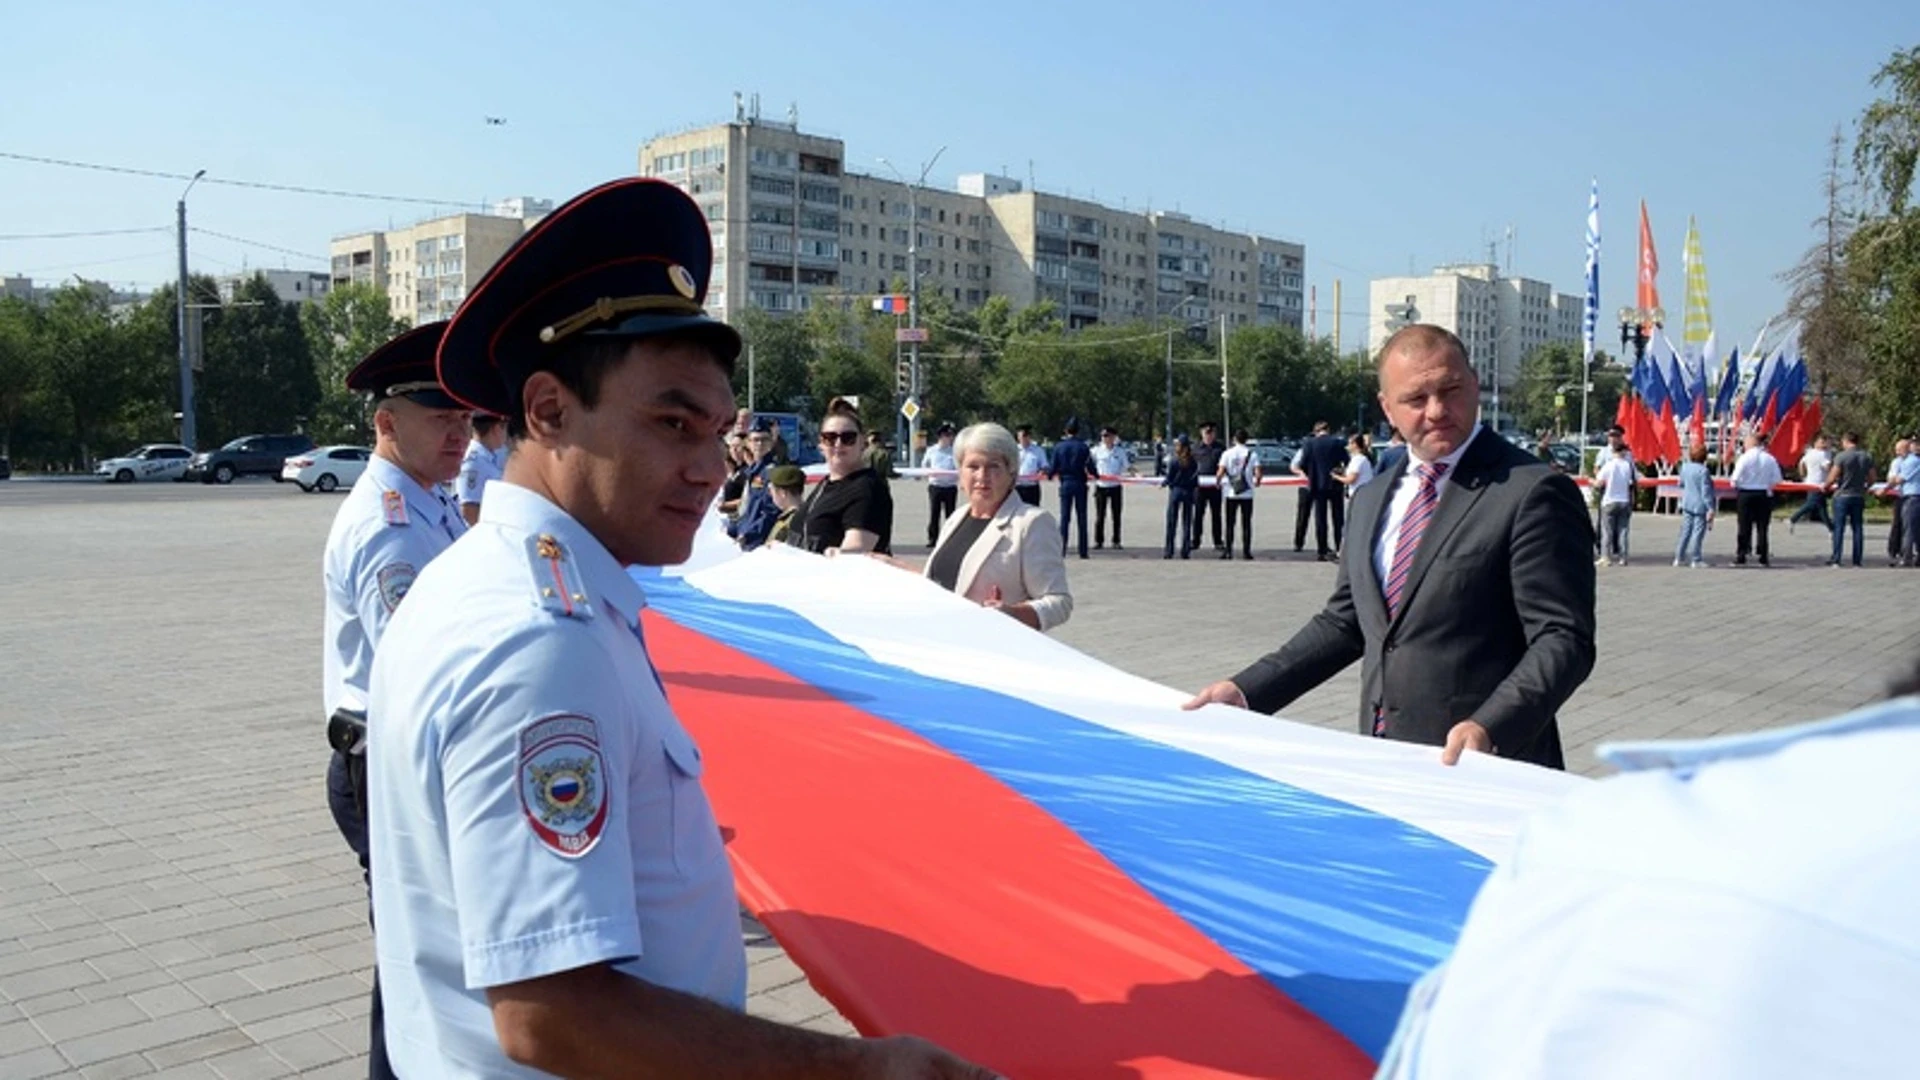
{"points": [[1112, 461], [1813, 469], [1616, 479], [1755, 475]]}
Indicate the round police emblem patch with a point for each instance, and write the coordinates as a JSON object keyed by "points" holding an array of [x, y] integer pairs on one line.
{"points": [[682, 280], [563, 783], [395, 579]]}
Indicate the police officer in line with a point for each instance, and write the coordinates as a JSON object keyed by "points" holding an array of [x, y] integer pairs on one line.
{"points": [[394, 521], [486, 457], [757, 510], [549, 880]]}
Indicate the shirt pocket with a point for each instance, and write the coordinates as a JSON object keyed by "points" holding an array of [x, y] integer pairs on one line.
{"points": [[695, 833]]}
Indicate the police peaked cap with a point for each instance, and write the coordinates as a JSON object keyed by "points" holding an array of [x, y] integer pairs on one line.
{"points": [[404, 367], [625, 261]]}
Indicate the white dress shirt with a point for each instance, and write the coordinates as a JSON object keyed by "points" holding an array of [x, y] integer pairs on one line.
{"points": [[1111, 462], [1403, 493], [1756, 470]]}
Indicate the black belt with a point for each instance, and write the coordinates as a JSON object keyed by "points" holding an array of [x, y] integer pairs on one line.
{"points": [[347, 731]]}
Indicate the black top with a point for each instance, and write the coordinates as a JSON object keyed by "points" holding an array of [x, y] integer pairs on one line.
{"points": [[1207, 458], [944, 567], [1186, 477], [736, 485], [858, 501], [1324, 456]]}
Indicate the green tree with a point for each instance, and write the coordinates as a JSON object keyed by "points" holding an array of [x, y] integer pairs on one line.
{"points": [[21, 357], [87, 367], [341, 329], [1883, 254], [1548, 394], [259, 373], [1824, 301], [778, 357]]}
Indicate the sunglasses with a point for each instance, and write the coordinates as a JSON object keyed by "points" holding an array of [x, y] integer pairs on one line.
{"points": [[844, 438]]}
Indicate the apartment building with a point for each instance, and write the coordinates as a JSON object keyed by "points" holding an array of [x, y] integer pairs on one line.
{"points": [[427, 268], [792, 225], [1499, 318], [291, 286]]}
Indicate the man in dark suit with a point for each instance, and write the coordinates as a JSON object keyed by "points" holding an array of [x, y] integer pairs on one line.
{"points": [[1323, 455], [1073, 467], [1467, 592]]}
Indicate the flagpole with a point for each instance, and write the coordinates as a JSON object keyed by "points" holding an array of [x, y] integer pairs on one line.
{"points": [[1590, 315]]}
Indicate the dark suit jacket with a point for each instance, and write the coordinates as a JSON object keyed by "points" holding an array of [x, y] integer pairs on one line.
{"points": [[1072, 463], [1496, 624], [1324, 456]]}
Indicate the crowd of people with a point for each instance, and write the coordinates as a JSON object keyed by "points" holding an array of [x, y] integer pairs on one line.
{"points": [[547, 879]]}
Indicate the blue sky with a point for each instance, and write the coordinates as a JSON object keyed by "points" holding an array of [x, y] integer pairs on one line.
{"points": [[1382, 139]]}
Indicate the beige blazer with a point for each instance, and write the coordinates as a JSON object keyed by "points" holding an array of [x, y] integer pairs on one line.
{"points": [[1020, 552]]}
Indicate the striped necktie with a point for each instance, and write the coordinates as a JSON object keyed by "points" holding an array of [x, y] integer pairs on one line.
{"points": [[1419, 513]]}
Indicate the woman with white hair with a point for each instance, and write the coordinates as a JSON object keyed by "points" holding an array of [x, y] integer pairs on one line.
{"points": [[997, 550]]}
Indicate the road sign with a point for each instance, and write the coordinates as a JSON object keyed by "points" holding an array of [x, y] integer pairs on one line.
{"points": [[914, 334], [910, 410]]}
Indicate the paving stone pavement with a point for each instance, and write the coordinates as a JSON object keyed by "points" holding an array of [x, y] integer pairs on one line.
{"points": [[174, 900]]}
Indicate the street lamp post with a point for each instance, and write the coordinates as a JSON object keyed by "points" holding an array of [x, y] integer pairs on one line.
{"points": [[187, 432], [913, 291]]}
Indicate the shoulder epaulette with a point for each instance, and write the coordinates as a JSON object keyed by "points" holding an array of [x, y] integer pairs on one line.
{"points": [[394, 506], [557, 584]]}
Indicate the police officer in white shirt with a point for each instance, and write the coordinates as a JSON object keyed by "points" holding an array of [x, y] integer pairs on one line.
{"points": [[486, 457], [549, 881], [1755, 475], [1111, 461], [393, 522], [1033, 466], [1739, 907], [943, 481]]}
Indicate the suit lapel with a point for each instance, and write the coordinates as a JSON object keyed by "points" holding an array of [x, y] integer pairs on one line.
{"points": [[976, 556], [1363, 535], [1466, 483]]}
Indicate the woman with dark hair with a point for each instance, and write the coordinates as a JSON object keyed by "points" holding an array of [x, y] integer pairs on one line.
{"points": [[851, 510], [1182, 483]]}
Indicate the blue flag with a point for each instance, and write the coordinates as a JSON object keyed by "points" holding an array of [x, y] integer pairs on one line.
{"points": [[1729, 386]]}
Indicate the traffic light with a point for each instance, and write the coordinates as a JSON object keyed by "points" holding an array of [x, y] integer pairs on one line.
{"points": [[902, 378]]}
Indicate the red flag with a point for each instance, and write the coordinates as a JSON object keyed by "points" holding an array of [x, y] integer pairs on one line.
{"points": [[1668, 433], [1697, 429], [1787, 442], [1648, 296]]}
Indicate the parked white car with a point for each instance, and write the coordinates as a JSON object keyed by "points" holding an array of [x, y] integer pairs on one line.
{"points": [[326, 468], [158, 461]]}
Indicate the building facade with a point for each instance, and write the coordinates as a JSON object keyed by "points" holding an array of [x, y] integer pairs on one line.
{"points": [[291, 286], [793, 226], [426, 269], [1499, 318]]}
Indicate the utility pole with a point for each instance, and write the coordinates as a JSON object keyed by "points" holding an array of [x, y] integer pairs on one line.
{"points": [[913, 292], [1226, 410], [1169, 442], [187, 432]]}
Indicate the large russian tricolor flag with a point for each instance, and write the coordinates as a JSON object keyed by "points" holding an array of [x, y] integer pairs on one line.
{"points": [[963, 829]]}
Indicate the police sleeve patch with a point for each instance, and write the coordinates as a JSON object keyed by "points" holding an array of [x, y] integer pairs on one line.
{"points": [[563, 783], [395, 579]]}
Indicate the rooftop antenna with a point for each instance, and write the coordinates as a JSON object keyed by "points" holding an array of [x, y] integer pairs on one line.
{"points": [[739, 108], [1509, 249], [793, 115]]}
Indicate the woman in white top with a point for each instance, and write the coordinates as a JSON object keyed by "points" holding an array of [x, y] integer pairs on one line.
{"points": [[997, 550], [1359, 465]]}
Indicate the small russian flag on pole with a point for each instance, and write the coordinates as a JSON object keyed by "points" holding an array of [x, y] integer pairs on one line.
{"points": [[892, 305]]}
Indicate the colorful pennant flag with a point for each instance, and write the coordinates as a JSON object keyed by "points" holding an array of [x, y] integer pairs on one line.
{"points": [[891, 304], [1590, 314], [1648, 297]]}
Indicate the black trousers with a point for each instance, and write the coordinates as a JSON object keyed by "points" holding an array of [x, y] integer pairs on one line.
{"points": [[1103, 500], [1073, 506], [1207, 500], [1241, 510], [1029, 493], [347, 799], [940, 504], [1897, 536], [1181, 522], [1302, 513], [1327, 503], [1756, 513]]}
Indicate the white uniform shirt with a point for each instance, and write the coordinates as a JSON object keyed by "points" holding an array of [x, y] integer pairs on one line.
{"points": [[1033, 464], [1756, 470], [536, 807], [1239, 460], [1402, 499], [479, 466], [386, 531], [1360, 469], [1739, 907], [940, 458], [1111, 462]]}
